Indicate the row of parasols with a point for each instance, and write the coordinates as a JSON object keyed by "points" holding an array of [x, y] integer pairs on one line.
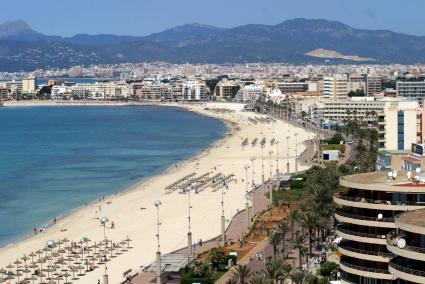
{"points": [[62, 261]]}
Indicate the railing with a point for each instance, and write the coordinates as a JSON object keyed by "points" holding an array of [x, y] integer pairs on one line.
{"points": [[363, 251], [359, 234], [407, 270], [362, 268], [366, 218], [375, 201], [392, 238]]}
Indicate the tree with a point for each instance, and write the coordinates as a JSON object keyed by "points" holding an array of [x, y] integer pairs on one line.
{"points": [[259, 278], [294, 216], [202, 270], [298, 276], [216, 257], [310, 221], [275, 239], [241, 274], [299, 245], [274, 269], [283, 228]]}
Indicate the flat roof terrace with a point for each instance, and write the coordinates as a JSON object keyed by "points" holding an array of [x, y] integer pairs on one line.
{"points": [[412, 221], [379, 181]]}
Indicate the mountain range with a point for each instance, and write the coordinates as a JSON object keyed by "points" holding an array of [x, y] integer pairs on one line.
{"points": [[296, 41]]}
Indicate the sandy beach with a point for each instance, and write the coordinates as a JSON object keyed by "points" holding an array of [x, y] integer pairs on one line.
{"points": [[134, 214]]}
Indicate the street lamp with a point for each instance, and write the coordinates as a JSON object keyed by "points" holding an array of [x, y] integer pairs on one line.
{"points": [[223, 226], [270, 161], [296, 152], [262, 164], [49, 244], [277, 157], [287, 154], [252, 172], [246, 167], [158, 253], [103, 221], [189, 233]]}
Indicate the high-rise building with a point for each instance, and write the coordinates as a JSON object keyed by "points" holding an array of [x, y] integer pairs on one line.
{"points": [[400, 125], [373, 85], [335, 87], [369, 204], [407, 243], [413, 90], [29, 84]]}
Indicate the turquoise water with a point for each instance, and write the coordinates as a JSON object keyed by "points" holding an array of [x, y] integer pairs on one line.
{"points": [[54, 159]]}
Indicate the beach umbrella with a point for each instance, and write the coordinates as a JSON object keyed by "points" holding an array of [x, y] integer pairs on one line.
{"points": [[128, 240], [73, 270], [66, 275], [18, 274], [26, 271], [80, 268], [58, 278], [41, 275], [33, 278], [25, 258]]}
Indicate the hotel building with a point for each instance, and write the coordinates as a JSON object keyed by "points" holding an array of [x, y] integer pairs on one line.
{"points": [[413, 90], [400, 125], [335, 87], [407, 244], [369, 204]]}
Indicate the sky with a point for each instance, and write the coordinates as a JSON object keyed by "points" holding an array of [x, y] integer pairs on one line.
{"points": [[142, 17]]}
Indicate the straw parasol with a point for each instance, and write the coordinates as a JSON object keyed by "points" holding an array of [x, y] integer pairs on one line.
{"points": [[128, 240], [26, 271], [80, 268], [66, 275], [73, 270], [33, 278]]}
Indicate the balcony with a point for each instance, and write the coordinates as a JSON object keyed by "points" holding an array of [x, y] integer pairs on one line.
{"points": [[350, 249], [365, 271], [408, 251], [361, 237], [350, 218], [360, 202], [403, 269]]}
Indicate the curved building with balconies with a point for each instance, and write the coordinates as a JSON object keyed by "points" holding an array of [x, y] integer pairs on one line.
{"points": [[407, 244], [368, 206]]}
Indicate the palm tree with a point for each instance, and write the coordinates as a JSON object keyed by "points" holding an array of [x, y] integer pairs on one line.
{"points": [[294, 217], [299, 245], [241, 274], [283, 229], [275, 239], [274, 269], [310, 221], [259, 278], [298, 277]]}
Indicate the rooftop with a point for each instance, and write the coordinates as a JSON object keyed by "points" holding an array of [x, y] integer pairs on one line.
{"points": [[414, 217]]}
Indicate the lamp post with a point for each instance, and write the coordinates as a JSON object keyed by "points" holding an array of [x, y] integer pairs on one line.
{"points": [[262, 164], [189, 232], [287, 154], [277, 157], [252, 172], [296, 152], [158, 253], [103, 221], [246, 198], [223, 226], [49, 244], [270, 162]]}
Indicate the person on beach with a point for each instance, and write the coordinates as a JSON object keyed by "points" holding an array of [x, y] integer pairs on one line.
{"points": [[54, 220]]}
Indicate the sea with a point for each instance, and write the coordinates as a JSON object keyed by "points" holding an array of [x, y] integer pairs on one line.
{"points": [[54, 159]]}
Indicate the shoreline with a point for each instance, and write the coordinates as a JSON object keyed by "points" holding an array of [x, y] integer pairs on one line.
{"points": [[137, 185], [224, 155]]}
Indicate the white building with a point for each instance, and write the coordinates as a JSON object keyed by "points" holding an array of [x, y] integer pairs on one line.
{"points": [[194, 91], [335, 87]]}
